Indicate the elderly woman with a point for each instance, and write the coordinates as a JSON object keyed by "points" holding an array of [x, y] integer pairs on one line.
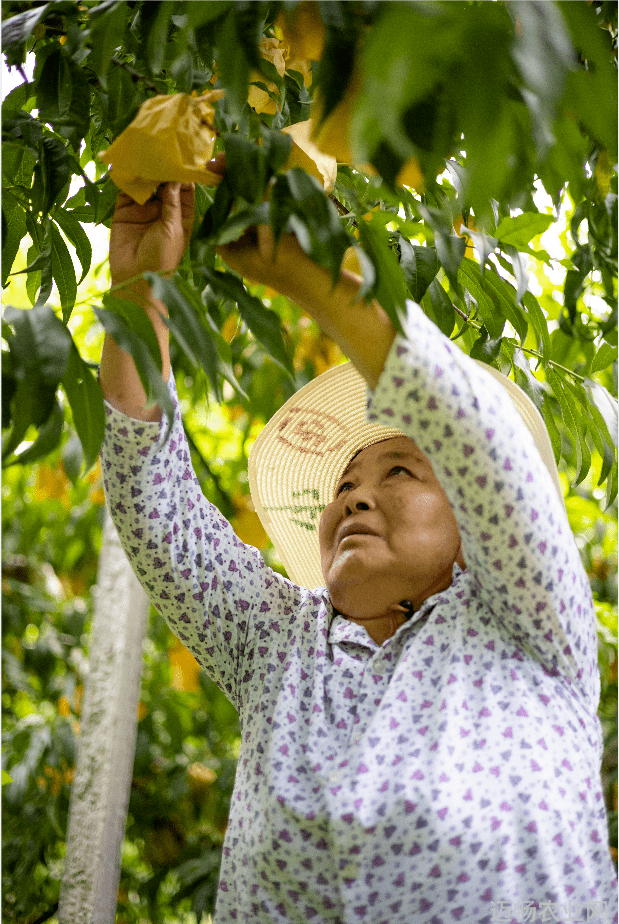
{"points": [[420, 742]]}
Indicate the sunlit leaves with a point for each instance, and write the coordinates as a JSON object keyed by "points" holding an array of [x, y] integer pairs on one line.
{"points": [[84, 393], [521, 229]]}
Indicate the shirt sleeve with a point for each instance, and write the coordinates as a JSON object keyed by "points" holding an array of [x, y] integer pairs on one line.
{"points": [[516, 540], [216, 594]]}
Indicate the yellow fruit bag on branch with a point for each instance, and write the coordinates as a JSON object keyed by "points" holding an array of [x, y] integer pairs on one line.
{"points": [[308, 156], [170, 140]]}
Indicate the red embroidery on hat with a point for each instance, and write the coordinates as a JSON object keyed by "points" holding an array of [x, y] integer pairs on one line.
{"points": [[312, 431]]}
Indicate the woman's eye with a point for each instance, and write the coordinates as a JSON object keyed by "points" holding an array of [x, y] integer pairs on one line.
{"points": [[345, 486], [399, 468]]}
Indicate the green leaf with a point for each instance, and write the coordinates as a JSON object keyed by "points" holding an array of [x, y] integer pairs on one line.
{"points": [[485, 349], [17, 98], [450, 250], [518, 269], [607, 408], [46, 279], [591, 91], [15, 232], [612, 485], [63, 273], [484, 245], [520, 230], [51, 174], [317, 225], [203, 13], [86, 399], [186, 325], [539, 322], [48, 438], [107, 32], [39, 350], [157, 40], [553, 433], [123, 100], [504, 298], [368, 272], [444, 313], [338, 57], [527, 381], [235, 56], [470, 279], [574, 423], [604, 357], [264, 324], [32, 404], [599, 433], [72, 228], [238, 222], [245, 167], [276, 147], [119, 324], [218, 211], [419, 265], [281, 206], [138, 321], [40, 341], [390, 287], [63, 97]]}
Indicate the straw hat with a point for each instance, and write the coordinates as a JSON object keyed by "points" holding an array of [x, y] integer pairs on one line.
{"points": [[297, 459]]}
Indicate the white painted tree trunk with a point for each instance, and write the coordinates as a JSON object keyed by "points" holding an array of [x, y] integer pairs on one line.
{"points": [[100, 792]]}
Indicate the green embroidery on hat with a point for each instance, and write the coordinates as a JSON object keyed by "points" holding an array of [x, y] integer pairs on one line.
{"points": [[310, 512]]}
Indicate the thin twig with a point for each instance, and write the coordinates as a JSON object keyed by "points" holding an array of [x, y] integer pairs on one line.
{"points": [[135, 74]]}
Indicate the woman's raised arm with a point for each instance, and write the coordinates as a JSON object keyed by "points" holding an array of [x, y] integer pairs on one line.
{"points": [[149, 237], [361, 329]]}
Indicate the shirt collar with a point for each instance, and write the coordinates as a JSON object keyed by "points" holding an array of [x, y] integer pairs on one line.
{"points": [[343, 630]]}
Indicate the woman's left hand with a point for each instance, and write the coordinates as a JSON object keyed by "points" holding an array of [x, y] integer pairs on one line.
{"points": [[255, 257]]}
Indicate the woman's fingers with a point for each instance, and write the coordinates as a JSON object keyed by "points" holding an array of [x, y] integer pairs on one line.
{"points": [[217, 164]]}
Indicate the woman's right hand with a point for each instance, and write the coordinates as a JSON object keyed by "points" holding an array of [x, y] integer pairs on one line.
{"points": [[151, 237]]}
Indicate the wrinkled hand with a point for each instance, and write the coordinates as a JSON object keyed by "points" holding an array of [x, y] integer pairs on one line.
{"points": [[151, 237], [255, 257]]}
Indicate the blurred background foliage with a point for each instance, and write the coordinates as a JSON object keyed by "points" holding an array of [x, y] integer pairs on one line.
{"points": [[477, 174]]}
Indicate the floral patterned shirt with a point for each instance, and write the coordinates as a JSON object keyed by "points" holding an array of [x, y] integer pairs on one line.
{"points": [[450, 774]]}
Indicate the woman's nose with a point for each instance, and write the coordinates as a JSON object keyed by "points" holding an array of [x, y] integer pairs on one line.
{"points": [[359, 499]]}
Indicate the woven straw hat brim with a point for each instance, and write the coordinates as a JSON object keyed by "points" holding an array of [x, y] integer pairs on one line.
{"points": [[297, 459]]}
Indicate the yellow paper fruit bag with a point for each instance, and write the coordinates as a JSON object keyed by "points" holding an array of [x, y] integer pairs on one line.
{"points": [[271, 49], [308, 156], [170, 140]]}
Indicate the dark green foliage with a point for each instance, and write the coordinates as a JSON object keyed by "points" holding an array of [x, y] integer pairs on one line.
{"points": [[523, 83]]}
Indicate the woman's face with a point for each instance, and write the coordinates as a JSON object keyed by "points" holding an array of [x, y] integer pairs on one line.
{"points": [[389, 534]]}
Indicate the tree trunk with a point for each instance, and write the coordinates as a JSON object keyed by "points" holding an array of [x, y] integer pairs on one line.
{"points": [[100, 792]]}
